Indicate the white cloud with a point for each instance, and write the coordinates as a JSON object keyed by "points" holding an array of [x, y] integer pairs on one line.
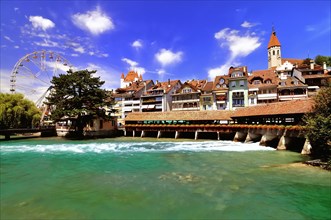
{"points": [[47, 43], [166, 57], [16, 47], [137, 44], [247, 24], [161, 72], [310, 28], [239, 45], [218, 71], [130, 62], [107, 74], [134, 66], [79, 49], [96, 22], [39, 22], [8, 38], [74, 55]]}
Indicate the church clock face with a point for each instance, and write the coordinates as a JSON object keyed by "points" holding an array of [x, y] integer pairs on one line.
{"points": [[221, 80]]}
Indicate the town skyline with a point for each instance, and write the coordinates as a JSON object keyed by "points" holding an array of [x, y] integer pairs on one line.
{"points": [[176, 40]]}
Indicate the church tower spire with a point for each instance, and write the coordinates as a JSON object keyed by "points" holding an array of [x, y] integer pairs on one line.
{"points": [[274, 51]]}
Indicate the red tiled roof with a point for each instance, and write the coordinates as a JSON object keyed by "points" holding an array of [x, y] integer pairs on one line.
{"points": [[264, 75], [199, 84], [131, 76], [292, 61], [208, 87], [289, 82], [165, 85], [182, 115], [187, 84], [273, 40], [217, 80], [278, 108]]}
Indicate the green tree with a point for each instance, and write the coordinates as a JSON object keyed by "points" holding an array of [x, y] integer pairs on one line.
{"points": [[321, 59], [77, 94], [319, 124], [18, 112]]}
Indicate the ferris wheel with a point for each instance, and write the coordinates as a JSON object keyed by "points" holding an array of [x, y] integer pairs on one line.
{"points": [[32, 74]]}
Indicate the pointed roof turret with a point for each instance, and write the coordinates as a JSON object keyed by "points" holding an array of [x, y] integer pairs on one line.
{"points": [[122, 76], [273, 39]]}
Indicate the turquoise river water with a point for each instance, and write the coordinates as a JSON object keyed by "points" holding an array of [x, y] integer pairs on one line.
{"points": [[134, 178]]}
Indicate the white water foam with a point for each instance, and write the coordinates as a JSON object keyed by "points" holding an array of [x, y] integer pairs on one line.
{"points": [[95, 147]]}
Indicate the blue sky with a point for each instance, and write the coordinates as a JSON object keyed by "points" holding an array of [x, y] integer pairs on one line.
{"points": [[161, 39]]}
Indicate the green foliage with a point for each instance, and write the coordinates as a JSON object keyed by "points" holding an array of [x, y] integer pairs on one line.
{"points": [[320, 59], [77, 94], [17, 112], [319, 124]]}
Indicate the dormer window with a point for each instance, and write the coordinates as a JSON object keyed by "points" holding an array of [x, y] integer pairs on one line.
{"points": [[268, 81], [256, 82], [218, 86], [187, 90], [237, 74]]}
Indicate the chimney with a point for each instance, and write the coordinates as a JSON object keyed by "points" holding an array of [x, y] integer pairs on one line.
{"points": [[324, 65], [168, 82], [312, 63]]}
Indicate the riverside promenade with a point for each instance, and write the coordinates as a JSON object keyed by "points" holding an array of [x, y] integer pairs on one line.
{"points": [[278, 125]]}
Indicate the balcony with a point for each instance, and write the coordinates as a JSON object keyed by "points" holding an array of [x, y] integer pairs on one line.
{"points": [[291, 97], [267, 96], [185, 101]]}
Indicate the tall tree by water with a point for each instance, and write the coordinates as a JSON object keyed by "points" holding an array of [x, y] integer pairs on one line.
{"points": [[18, 112], [77, 94], [319, 124]]}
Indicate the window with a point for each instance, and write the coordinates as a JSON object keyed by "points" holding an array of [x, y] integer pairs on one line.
{"points": [[218, 86], [273, 52], [233, 84], [101, 124], [221, 80], [187, 90], [242, 83], [277, 52], [256, 82], [268, 81]]}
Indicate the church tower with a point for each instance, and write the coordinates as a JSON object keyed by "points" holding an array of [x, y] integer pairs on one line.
{"points": [[274, 52]]}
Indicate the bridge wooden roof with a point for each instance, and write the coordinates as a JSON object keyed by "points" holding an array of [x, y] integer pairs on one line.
{"points": [[278, 108], [180, 115]]}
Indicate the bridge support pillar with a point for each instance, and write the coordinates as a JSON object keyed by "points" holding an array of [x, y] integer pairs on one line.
{"points": [[306, 147], [176, 134], [218, 136], [282, 144], [7, 136], [142, 134], [196, 135], [159, 134], [240, 136], [133, 133], [124, 133], [251, 137]]}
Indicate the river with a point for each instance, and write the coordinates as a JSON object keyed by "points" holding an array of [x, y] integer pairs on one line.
{"points": [[147, 178]]}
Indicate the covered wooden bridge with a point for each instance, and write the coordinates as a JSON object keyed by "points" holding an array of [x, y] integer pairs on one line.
{"points": [[272, 123]]}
